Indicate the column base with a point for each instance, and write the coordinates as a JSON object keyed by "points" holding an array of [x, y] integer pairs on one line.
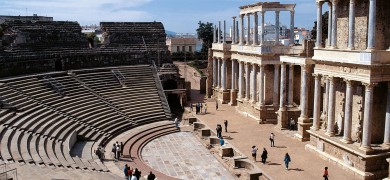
{"points": [[302, 134], [330, 134], [366, 148], [314, 128], [346, 141], [224, 96], [282, 119], [233, 98], [386, 145], [304, 120]]}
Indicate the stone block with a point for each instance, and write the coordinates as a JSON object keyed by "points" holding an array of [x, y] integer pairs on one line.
{"points": [[192, 120], [206, 133], [227, 152], [214, 140]]}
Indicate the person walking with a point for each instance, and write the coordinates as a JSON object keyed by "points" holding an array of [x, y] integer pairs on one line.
{"points": [[122, 146], [130, 173], [287, 160], [151, 176], [254, 152], [113, 150], [219, 131], [118, 152], [326, 175], [191, 107], [264, 156], [137, 173], [272, 139], [125, 169], [221, 141], [292, 124], [176, 122], [226, 124], [200, 108], [205, 108], [216, 105]]}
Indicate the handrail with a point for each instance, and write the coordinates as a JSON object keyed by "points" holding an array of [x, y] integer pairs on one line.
{"points": [[160, 90], [57, 86], [119, 77]]}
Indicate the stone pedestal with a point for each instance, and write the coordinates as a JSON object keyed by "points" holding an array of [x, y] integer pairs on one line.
{"points": [[302, 134], [282, 119], [224, 96], [233, 98]]}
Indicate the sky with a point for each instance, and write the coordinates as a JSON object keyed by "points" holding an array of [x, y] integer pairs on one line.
{"points": [[181, 16]]}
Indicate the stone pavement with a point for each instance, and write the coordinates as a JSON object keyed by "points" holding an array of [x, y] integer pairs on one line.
{"points": [[182, 156], [244, 132]]}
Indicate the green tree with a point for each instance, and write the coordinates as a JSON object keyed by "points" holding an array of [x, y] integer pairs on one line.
{"points": [[91, 38], [324, 27], [205, 33]]}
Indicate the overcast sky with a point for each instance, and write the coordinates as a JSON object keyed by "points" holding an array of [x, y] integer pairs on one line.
{"points": [[180, 16]]}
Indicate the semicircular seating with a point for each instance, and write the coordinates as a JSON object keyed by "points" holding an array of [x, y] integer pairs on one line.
{"points": [[48, 109]]}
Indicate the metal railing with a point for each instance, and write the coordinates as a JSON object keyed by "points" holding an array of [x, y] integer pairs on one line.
{"points": [[57, 86], [119, 77], [161, 92]]}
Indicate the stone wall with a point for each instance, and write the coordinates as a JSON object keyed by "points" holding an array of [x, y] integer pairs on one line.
{"points": [[269, 83], [382, 39], [379, 113]]}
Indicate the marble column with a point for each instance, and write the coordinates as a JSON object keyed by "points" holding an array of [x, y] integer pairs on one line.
{"points": [[351, 26], [247, 81], [224, 32], [262, 27], [240, 80], [371, 25], [331, 108], [248, 29], [348, 113], [241, 29], [219, 32], [319, 24], [282, 104], [330, 15], [292, 34], [277, 27], [327, 84], [291, 85], [334, 25], [223, 75], [261, 86], [234, 75], [304, 93], [386, 139], [255, 29], [237, 32], [215, 34], [317, 102], [276, 86], [215, 72], [367, 119], [219, 74], [234, 30], [254, 84]]}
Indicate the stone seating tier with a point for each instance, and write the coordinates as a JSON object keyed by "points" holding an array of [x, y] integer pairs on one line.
{"points": [[39, 133]]}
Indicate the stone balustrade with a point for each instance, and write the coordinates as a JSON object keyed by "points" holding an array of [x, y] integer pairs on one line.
{"points": [[353, 57]]}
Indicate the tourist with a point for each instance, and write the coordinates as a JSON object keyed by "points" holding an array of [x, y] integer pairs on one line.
{"points": [[122, 146], [264, 156], [197, 106], [221, 141], [125, 169], [133, 177], [216, 105], [177, 122], [151, 176], [191, 107], [272, 139], [205, 108], [129, 172], [137, 173], [254, 152], [98, 153], [118, 152], [219, 130], [226, 124], [325, 174], [292, 124], [113, 150], [287, 160], [200, 107]]}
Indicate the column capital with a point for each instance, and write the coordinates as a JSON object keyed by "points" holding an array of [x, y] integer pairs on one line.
{"points": [[278, 65], [262, 13], [316, 76], [242, 15], [329, 4], [234, 17], [369, 86], [352, 1], [349, 82], [277, 13], [305, 67], [319, 3], [331, 79], [291, 66]]}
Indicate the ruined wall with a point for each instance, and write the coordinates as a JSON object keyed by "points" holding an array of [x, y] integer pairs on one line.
{"points": [[269, 83], [357, 108], [382, 40]]}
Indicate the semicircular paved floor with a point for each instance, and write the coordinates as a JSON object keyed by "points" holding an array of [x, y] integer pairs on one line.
{"points": [[181, 155]]}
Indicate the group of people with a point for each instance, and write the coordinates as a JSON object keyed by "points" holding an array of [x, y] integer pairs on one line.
{"points": [[135, 174], [100, 152], [199, 108], [117, 150], [264, 156]]}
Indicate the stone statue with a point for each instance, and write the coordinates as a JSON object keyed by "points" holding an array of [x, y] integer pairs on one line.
{"points": [[336, 128], [325, 123], [359, 134]]}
